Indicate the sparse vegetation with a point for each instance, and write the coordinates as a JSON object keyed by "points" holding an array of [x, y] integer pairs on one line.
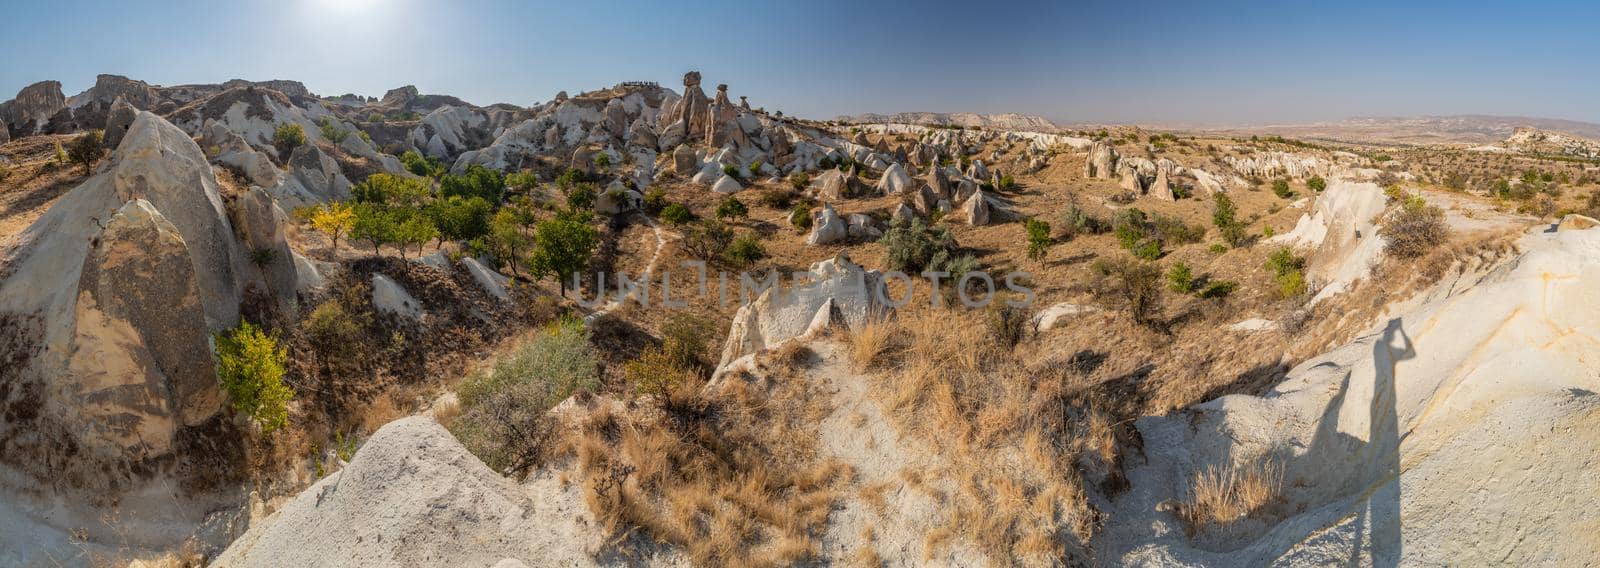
{"points": [[1221, 496], [1039, 240], [250, 366], [675, 214], [745, 251], [562, 247], [1134, 284], [1288, 272], [1414, 229], [86, 149], [732, 209], [502, 418], [1280, 188], [1180, 278], [334, 220], [287, 137]]}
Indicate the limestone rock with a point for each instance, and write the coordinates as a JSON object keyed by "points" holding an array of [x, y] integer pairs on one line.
{"points": [[617, 199], [494, 283], [1102, 162], [684, 160], [839, 290], [827, 227], [29, 113], [1341, 233], [975, 210], [117, 122], [1048, 318], [895, 181], [388, 296], [726, 184], [902, 214], [863, 227], [261, 222], [1576, 222]]}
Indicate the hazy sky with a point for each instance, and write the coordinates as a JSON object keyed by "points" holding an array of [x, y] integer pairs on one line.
{"points": [[1152, 61]]}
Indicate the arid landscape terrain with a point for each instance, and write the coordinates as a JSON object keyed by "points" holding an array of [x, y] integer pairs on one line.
{"points": [[246, 324]]}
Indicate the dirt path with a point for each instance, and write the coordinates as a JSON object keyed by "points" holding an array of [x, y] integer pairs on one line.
{"points": [[649, 268]]}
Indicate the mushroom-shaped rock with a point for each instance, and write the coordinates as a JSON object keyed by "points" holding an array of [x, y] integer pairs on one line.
{"points": [[726, 184], [895, 180], [388, 296], [827, 227]]}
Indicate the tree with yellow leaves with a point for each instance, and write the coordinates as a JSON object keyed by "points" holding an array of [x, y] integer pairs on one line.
{"points": [[334, 220]]}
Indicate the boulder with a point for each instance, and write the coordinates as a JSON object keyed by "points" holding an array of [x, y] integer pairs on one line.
{"points": [[863, 227], [895, 181], [938, 182], [117, 122], [617, 199], [902, 214], [684, 160], [726, 184], [827, 227], [838, 291], [834, 185], [975, 210], [389, 297], [1048, 318], [496, 284]]}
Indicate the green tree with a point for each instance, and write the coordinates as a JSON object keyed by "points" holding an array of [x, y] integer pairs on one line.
{"points": [[250, 366], [1280, 188], [506, 240], [745, 250], [422, 166], [388, 190], [459, 218], [86, 149], [602, 160], [562, 246], [332, 132], [374, 224], [411, 228], [675, 214], [477, 181], [1039, 240], [287, 137], [1317, 184], [581, 196]]}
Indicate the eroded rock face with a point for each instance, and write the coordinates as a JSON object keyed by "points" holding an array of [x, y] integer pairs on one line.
{"points": [[261, 222], [975, 210], [1340, 234], [842, 292], [141, 365], [827, 227], [895, 181], [1101, 163], [30, 111]]}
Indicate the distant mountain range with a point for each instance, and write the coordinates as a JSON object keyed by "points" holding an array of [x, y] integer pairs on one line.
{"points": [[1454, 129], [1006, 121]]}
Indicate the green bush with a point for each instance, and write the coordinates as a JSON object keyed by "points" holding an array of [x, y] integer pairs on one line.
{"points": [[419, 165], [1219, 289], [1146, 249], [745, 250], [675, 214], [1079, 222], [287, 137], [602, 160], [655, 201], [706, 240], [732, 208], [332, 329], [755, 169], [912, 247], [1280, 188], [503, 411], [86, 149], [1288, 271], [799, 181], [332, 132], [562, 247], [477, 181], [732, 172], [250, 366], [581, 196], [800, 217], [776, 198], [1218, 248], [1317, 184], [1180, 278], [458, 218], [1039, 240], [1224, 216]]}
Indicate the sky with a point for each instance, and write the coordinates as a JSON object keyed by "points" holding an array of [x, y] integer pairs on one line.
{"points": [[1150, 62]]}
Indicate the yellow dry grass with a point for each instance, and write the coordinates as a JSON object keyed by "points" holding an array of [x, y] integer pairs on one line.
{"points": [[1222, 495]]}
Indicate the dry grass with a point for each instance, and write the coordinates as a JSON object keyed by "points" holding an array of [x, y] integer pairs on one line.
{"points": [[731, 476], [1220, 496], [870, 342]]}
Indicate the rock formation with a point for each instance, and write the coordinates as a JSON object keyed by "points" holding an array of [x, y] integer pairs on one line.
{"points": [[827, 227], [1101, 162], [1341, 234], [839, 291], [895, 181]]}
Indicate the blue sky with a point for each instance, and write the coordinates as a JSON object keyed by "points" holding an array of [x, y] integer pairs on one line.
{"points": [[1153, 62]]}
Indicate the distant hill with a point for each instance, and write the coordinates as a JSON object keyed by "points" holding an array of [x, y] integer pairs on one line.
{"points": [[1006, 121], [1457, 129]]}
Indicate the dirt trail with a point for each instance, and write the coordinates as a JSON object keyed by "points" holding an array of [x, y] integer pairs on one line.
{"points": [[649, 268]]}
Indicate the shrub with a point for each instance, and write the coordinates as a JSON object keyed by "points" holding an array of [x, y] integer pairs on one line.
{"points": [[332, 132], [333, 330], [1288, 272], [800, 217], [1317, 184], [732, 208], [1146, 249], [334, 220], [732, 172], [602, 160], [1415, 229], [745, 250], [287, 137], [706, 240], [1076, 221], [1007, 183], [391, 190], [675, 214], [60, 155], [912, 247], [250, 366], [776, 198], [684, 337], [1218, 248], [1280, 188], [1007, 324], [755, 169], [419, 165], [1038, 239], [1223, 215], [502, 418], [799, 181], [1135, 284], [656, 373], [581, 196], [655, 201], [1180, 278], [1219, 289], [1173, 231], [86, 149]]}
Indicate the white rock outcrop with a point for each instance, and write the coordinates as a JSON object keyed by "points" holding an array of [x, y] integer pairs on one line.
{"points": [[827, 227], [1341, 235], [839, 291]]}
